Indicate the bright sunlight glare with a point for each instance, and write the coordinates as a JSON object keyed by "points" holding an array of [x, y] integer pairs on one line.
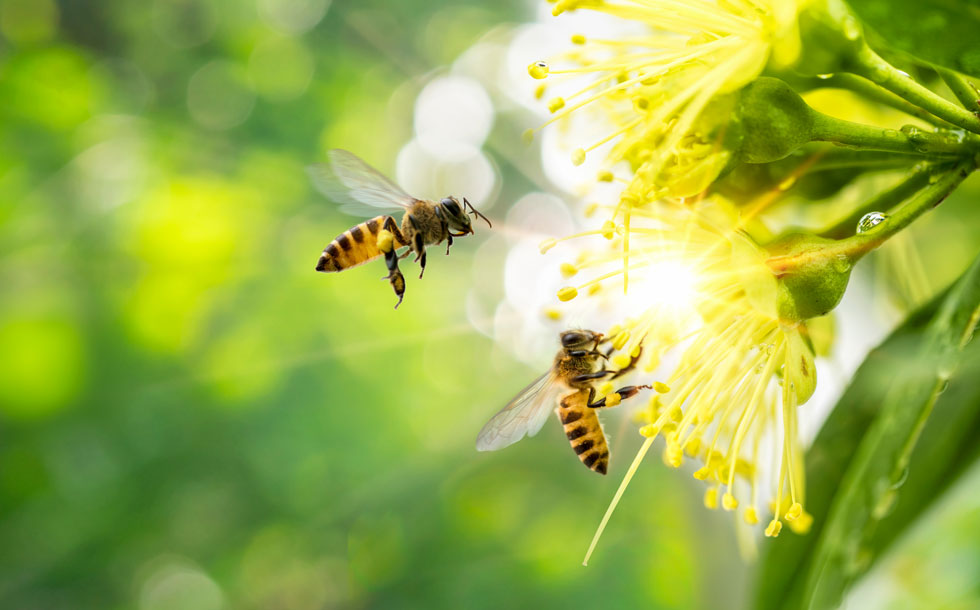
{"points": [[669, 284]]}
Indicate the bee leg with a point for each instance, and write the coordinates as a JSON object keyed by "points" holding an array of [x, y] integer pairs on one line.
{"points": [[449, 242], [629, 367], [624, 393], [591, 376], [392, 226], [395, 277], [423, 264]]}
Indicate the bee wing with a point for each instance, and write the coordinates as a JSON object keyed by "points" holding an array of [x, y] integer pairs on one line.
{"points": [[350, 181], [522, 416]]}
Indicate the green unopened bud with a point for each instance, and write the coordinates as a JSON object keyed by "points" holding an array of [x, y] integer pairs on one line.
{"points": [[775, 120], [812, 276]]}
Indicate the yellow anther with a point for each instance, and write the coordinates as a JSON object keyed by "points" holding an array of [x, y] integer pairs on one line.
{"points": [[621, 361], [605, 176], [547, 244], [801, 524], [386, 240], [539, 91], [590, 209], [608, 229], [594, 288], [567, 293], [728, 501], [772, 530], [528, 136], [578, 39], [668, 427], [613, 399], [637, 349], [555, 104], [663, 388], [692, 447], [578, 156], [794, 512], [702, 473], [568, 270], [614, 330], [711, 498], [676, 414], [750, 516], [673, 455], [650, 430], [538, 70], [552, 314]]}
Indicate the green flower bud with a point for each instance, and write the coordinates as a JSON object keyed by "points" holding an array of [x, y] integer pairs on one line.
{"points": [[775, 120], [811, 276]]}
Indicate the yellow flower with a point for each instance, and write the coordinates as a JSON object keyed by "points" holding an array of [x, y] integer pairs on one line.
{"points": [[742, 372]]}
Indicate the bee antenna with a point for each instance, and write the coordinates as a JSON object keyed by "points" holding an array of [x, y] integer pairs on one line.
{"points": [[475, 212]]}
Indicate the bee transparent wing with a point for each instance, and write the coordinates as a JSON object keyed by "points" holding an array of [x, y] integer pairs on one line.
{"points": [[348, 180], [522, 416]]}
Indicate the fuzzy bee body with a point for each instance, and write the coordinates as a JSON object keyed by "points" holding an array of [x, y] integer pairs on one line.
{"points": [[569, 384], [424, 223], [584, 430], [354, 247]]}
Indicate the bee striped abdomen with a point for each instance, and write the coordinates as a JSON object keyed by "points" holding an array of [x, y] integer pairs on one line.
{"points": [[584, 431], [353, 247]]}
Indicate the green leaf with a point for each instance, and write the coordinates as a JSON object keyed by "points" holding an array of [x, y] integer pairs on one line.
{"points": [[857, 465], [939, 31]]}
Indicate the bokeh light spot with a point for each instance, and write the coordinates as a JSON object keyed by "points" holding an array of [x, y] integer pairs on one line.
{"points": [[280, 68], [43, 366], [293, 16], [219, 96], [453, 115]]}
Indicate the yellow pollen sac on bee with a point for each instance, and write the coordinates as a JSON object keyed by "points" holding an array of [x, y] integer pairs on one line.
{"points": [[608, 229], [590, 210], [711, 498], [794, 512], [578, 39], [620, 340], [662, 388], [613, 399], [567, 293], [578, 156], [605, 388], [622, 361], [538, 70], [605, 176], [552, 314], [750, 516], [702, 473], [568, 270], [555, 104], [547, 244], [528, 136], [728, 501], [386, 240], [772, 530]]}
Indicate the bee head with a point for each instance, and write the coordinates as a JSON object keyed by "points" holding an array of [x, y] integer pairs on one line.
{"points": [[456, 214], [573, 340]]}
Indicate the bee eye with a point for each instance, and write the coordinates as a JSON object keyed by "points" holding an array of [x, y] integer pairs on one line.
{"points": [[568, 339], [450, 206]]}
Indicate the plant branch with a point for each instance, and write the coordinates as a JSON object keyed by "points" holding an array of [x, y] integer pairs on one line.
{"points": [[871, 66], [963, 89]]}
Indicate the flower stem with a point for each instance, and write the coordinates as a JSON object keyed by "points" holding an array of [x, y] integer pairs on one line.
{"points": [[964, 91], [867, 89], [871, 66], [856, 246], [909, 140], [884, 201]]}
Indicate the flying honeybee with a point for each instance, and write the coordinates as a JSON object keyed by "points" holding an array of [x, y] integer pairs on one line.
{"points": [[569, 385], [348, 180]]}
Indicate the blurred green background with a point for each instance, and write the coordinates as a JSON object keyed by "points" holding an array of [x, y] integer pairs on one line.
{"points": [[190, 417]]}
